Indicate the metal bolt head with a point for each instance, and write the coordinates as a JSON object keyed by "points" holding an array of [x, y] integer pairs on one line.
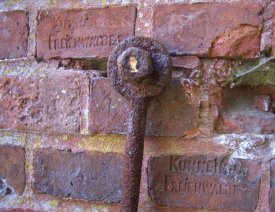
{"points": [[135, 74], [135, 65]]}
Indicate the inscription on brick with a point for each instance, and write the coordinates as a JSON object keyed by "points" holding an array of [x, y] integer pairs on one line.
{"points": [[95, 176], [13, 34], [83, 33], [201, 182]]}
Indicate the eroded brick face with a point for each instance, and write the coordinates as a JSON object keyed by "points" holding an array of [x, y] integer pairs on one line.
{"points": [[50, 104], [12, 170], [107, 109], [13, 34], [245, 110], [207, 182], [83, 33], [195, 29], [90, 176]]}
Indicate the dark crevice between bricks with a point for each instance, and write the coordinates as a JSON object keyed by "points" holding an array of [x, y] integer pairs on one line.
{"points": [[4, 188], [86, 64]]}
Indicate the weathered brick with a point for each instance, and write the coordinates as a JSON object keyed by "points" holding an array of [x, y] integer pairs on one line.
{"points": [[13, 34], [90, 176], [208, 182], [170, 114], [239, 114], [51, 104], [195, 29], [108, 109], [83, 33], [12, 170]]}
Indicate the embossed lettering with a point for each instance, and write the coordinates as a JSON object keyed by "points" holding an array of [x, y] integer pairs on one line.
{"points": [[201, 182], [83, 33], [209, 167], [198, 186], [68, 42]]}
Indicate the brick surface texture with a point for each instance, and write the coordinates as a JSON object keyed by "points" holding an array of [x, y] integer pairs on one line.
{"points": [[83, 33], [93, 176], [13, 34], [109, 110], [194, 29], [249, 112], [210, 135], [12, 171], [42, 104], [205, 183]]}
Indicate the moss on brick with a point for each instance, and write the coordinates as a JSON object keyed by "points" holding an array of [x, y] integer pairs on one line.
{"points": [[65, 138], [22, 139], [38, 142], [103, 143], [11, 3], [259, 72], [53, 203]]}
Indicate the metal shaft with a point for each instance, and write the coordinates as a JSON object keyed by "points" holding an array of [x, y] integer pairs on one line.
{"points": [[139, 69], [134, 154]]}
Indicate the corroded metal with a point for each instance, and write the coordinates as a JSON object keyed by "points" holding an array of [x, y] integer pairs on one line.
{"points": [[139, 69]]}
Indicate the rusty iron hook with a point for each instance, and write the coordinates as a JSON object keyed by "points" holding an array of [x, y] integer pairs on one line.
{"points": [[139, 68]]}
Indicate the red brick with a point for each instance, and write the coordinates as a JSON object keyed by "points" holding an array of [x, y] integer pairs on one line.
{"points": [[50, 104], [13, 34], [90, 176], [173, 113], [170, 114], [240, 114], [12, 171], [83, 33], [208, 182], [195, 29], [108, 109]]}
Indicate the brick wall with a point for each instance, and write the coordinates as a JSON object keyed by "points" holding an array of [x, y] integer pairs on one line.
{"points": [[210, 137]]}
